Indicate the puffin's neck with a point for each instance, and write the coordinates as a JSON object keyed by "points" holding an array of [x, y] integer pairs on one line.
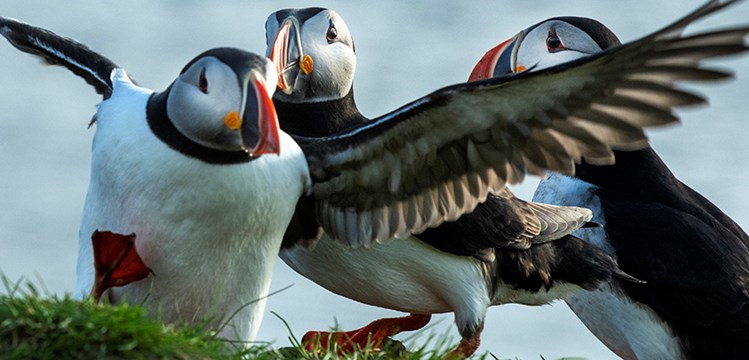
{"points": [[633, 171], [163, 128], [319, 118]]}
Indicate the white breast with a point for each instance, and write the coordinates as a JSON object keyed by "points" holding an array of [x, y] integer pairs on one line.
{"points": [[405, 275], [629, 329], [210, 233]]}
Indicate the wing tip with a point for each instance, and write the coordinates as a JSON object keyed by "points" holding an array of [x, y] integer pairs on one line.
{"points": [[54, 49]]}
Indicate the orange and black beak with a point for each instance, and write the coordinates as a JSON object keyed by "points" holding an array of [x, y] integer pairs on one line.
{"points": [[499, 61], [288, 56], [259, 122]]}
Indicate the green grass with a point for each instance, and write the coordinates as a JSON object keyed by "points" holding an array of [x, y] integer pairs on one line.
{"points": [[36, 326], [43, 327]]}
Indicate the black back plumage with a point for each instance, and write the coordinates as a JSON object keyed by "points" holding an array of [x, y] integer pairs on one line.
{"points": [[694, 258], [57, 50], [493, 224]]}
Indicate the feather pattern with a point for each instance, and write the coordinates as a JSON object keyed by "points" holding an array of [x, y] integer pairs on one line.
{"points": [[433, 159]]}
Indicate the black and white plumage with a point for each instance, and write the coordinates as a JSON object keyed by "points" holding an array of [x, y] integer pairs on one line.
{"points": [[174, 168], [693, 257], [493, 134], [409, 275]]}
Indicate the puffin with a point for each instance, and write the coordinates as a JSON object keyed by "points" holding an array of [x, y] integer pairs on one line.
{"points": [[490, 256], [693, 259], [199, 173]]}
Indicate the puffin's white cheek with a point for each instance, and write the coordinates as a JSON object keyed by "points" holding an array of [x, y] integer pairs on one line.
{"points": [[193, 115], [182, 112], [336, 71]]}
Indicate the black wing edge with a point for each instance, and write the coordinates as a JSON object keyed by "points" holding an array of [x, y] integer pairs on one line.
{"points": [[57, 50]]}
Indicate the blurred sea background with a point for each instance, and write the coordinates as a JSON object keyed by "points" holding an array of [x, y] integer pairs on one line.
{"points": [[405, 50]]}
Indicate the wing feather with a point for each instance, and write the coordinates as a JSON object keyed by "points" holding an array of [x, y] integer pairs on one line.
{"points": [[94, 68], [436, 158]]}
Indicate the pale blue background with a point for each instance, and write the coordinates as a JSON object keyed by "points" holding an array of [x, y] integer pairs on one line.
{"points": [[405, 50]]}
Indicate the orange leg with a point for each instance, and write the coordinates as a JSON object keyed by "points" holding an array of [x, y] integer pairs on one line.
{"points": [[373, 334], [466, 348]]}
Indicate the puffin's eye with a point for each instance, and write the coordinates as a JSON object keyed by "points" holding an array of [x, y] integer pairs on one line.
{"points": [[332, 33], [203, 82], [553, 44]]}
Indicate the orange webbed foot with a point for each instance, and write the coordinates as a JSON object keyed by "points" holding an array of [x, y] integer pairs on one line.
{"points": [[116, 262], [370, 336]]}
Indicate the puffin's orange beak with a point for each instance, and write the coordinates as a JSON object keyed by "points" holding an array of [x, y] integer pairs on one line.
{"points": [[286, 53], [260, 129], [499, 61]]}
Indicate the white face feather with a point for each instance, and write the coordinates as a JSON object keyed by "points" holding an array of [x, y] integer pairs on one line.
{"points": [[200, 115], [535, 52]]}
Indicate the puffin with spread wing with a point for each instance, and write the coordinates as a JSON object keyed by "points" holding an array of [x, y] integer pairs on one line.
{"points": [[693, 257], [498, 253]]}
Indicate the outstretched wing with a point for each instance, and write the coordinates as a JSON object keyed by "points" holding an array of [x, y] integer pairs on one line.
{"points": [[57, 50], [438, 157]]}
